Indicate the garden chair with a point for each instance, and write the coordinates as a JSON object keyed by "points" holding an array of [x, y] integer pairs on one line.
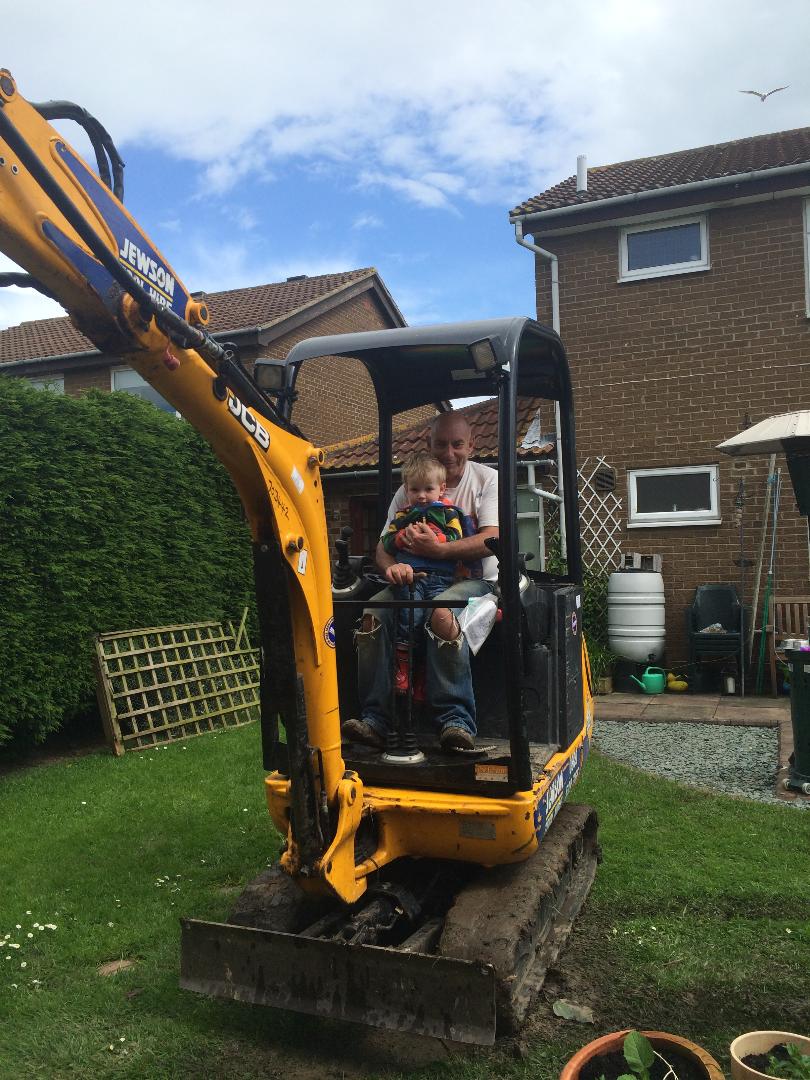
{"points": [[714, 604]]}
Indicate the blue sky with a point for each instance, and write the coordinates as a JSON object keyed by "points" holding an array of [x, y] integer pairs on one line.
{"points": [[264, 140]]}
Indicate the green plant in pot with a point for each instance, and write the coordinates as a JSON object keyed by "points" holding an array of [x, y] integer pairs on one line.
{"points": [[640, 1057], [774, 1055], [648, 1055], [601, 659]]}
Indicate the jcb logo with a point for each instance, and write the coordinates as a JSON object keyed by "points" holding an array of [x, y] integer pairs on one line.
{"points": [[249, 422]]}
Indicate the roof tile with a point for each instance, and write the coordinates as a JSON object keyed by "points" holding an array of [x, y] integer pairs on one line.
{"points": [[363, 452], [761, 152], [234, 309]]}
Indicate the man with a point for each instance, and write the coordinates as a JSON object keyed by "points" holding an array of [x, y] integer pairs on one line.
{"points": [[474, 488]]}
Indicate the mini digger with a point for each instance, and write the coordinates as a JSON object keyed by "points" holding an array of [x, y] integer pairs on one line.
{"points": [[427, 891]]}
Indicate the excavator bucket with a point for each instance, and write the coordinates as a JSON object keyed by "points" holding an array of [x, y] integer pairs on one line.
{"points": [[386, 988]]}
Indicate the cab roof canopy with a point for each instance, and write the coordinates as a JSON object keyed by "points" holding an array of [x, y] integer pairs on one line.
{"points": [[418, 365]]}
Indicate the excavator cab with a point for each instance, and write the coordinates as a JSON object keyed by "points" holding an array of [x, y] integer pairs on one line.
{"points": [[528, 675]]}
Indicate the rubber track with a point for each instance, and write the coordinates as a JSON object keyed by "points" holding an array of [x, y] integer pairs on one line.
{"points": [[518, 917]]}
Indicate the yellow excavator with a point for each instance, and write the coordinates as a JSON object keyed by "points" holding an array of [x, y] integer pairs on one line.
{"points": [[418, 889]]}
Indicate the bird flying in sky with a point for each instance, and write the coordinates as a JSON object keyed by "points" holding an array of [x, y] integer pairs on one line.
{"points": [[762, 96]]}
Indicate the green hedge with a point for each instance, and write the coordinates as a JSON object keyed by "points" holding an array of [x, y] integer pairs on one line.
{"points": [[113, 515]]}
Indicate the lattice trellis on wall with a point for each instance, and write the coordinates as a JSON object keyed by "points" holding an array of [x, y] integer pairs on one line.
{"points": [[600, 523], [172, 682], [600, 517]]}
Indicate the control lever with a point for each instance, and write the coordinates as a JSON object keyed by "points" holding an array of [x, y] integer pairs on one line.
{"points": [[343, 576], [401, 745]]}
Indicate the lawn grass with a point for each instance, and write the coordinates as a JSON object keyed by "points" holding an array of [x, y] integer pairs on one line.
{"points": [[699, 922]]}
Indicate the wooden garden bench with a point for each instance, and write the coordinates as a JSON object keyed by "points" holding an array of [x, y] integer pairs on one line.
{"points": [[789, 616]]}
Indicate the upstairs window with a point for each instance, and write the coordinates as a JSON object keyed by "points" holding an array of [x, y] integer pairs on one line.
{"points": [[131, 383], [657, 250], [676, 496], [54, 383]]}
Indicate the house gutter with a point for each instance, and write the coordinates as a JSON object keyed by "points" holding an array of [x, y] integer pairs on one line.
{"points": [[356, 474], [637, 196], [91, 355]]}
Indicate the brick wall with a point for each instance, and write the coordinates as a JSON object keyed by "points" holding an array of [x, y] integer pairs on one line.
{"points": [[336, 397], [664, 369], [78, 381], [339, 493]]}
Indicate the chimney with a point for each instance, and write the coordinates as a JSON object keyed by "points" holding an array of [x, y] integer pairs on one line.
{"points": [[582, 173]]}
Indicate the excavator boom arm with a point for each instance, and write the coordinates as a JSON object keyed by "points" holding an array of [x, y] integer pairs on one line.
{"points": [[71, 233]]}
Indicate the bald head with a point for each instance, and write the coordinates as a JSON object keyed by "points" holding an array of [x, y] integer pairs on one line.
{"points": [[451, 441]]}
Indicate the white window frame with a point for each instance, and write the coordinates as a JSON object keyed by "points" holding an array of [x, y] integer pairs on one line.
{"points": [[670, 268], [126, 367], [55, 383], [636, 520]]}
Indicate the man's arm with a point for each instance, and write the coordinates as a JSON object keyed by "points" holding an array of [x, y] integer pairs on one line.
{"points": [[423, 542]]}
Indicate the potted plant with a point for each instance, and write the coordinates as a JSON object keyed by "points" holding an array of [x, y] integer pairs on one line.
{"points": [[763, 1055], [645, 1055], [601, 660]]}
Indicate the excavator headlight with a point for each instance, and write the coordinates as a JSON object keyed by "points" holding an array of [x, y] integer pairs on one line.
{"points": [[483, 355], [270, 375]]}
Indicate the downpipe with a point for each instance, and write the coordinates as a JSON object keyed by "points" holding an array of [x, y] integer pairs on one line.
{"points": [[553, 262]]}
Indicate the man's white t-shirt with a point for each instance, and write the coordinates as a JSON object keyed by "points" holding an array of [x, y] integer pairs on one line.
{"points": [[477, 495]]}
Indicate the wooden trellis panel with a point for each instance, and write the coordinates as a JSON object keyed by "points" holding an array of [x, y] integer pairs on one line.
{"points": [[171, 682], [600, 519]]}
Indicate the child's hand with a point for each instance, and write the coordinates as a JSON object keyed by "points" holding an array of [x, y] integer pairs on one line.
{"points": [[399, 574]]}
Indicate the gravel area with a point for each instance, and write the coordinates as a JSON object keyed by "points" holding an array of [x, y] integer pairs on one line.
{"points": [[734, 760]]}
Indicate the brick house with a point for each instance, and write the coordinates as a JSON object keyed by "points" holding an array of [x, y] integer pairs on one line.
{"points": [[682, 298], [336, 396]]}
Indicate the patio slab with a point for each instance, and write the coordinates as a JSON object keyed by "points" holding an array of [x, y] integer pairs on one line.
{"points": [[752, 716], [607, 709], [669, 711], [750, 700]]}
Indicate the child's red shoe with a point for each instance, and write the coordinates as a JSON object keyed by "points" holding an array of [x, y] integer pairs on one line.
{"points": [[401, 670]]}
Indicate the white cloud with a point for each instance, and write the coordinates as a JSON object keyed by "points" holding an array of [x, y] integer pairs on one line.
{"points": [[424, 191], [242, 216], [500, 97], [367, 221], [235, 266], [23, 305]]}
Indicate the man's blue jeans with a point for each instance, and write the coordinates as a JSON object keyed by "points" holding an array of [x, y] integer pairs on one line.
{"points": [[448, 677], [427, 587]]}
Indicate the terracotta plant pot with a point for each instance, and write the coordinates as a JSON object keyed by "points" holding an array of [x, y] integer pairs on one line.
{"points": [[760, 1042], [661, 1041]]}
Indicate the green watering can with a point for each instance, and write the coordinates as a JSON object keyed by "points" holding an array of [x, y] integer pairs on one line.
{"points": [[653, 681]]}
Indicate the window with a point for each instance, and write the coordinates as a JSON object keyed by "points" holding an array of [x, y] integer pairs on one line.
{"points": [[365, 527], [684, 496], [678, 247], [54, 383], [131, 383]]}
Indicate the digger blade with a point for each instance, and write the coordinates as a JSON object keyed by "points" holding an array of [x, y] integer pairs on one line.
{"points": [[438, 996]]}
